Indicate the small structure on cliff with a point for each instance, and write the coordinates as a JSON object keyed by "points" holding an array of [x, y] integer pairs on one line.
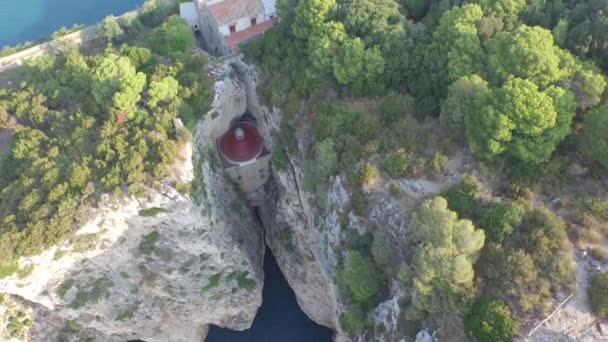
{"points": [[243, 154], [223, 24]]}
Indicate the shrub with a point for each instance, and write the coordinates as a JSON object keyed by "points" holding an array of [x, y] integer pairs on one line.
{"points": [[63, 288], [438, 162], [599, 253], [214, 281], [8, 269], [367, 173], [490, 321], [462, 198], [362, 276], [499, 220], [244, 282], [383, 253], [148, 243], [280, 158], [354, 320], [397, 165], [598, 294], [152, 212]]}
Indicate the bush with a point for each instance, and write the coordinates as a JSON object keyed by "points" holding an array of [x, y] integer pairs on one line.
{"points": [[214, 281], [598, 294], [499, 220], [367, 174], [462, 198], [599, 253], [397, 165], [362, 277], [383, 252], [354, 320], [8, 269], [280, 158], [438, 162], [148, 243], [490, 321], [152, 212]]}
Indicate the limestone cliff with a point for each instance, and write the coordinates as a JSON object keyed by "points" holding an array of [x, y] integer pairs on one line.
{"points": [[159, 268]]}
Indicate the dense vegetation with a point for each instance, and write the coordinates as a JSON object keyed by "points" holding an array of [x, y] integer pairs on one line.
{"points": [[392, 89], [92, 123]]}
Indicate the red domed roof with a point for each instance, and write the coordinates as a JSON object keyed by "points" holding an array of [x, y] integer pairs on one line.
{"points": [[242, 142]]}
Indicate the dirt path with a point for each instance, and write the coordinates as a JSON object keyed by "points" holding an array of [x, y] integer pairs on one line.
{"points": [[575, 322]]}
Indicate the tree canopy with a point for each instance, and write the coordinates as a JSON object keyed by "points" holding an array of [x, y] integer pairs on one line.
{"points": [[443, 263]]}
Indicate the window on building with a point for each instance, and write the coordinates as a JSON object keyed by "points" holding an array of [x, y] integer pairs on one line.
{"points": [[254, 21], [232, 29]]}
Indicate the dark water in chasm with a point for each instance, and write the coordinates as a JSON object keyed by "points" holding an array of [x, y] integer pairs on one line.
{"points": [[280, 319]]}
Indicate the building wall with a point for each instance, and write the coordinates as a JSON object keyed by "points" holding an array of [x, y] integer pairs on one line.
{"points": [[249, 176], [214, 41], [241, 24]]}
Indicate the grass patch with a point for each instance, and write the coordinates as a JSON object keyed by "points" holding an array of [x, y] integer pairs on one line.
{"points": [[148, 243], [213, 282], [124, 275], [152, 212], [6, 270]]}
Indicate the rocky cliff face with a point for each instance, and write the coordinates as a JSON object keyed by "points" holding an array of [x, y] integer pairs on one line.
{"points": [[159, 268]]}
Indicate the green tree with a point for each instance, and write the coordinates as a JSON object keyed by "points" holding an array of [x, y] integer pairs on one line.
{"points": [[443, 262], [311, 14], [490, 321], [172, 38], [460, 101], [593, 143], [109, 29], [519, 120], [527, 53], [164, 90], [362, 276], [598, 294]]}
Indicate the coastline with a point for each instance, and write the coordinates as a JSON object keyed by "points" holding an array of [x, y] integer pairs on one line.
{"points": [[78, 38]]}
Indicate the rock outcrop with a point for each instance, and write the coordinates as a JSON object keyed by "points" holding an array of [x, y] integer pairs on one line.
{"points": [[159, 268]]}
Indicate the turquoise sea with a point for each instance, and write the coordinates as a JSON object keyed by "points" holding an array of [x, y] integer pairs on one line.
{"points": [[280, 319], [23, 20]]}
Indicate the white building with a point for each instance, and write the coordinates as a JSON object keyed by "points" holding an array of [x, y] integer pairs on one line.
{"points": [[234, 21]]}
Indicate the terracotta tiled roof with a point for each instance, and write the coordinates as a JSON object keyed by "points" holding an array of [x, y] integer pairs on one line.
{"points": [[252, 31], [229, 11]]}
